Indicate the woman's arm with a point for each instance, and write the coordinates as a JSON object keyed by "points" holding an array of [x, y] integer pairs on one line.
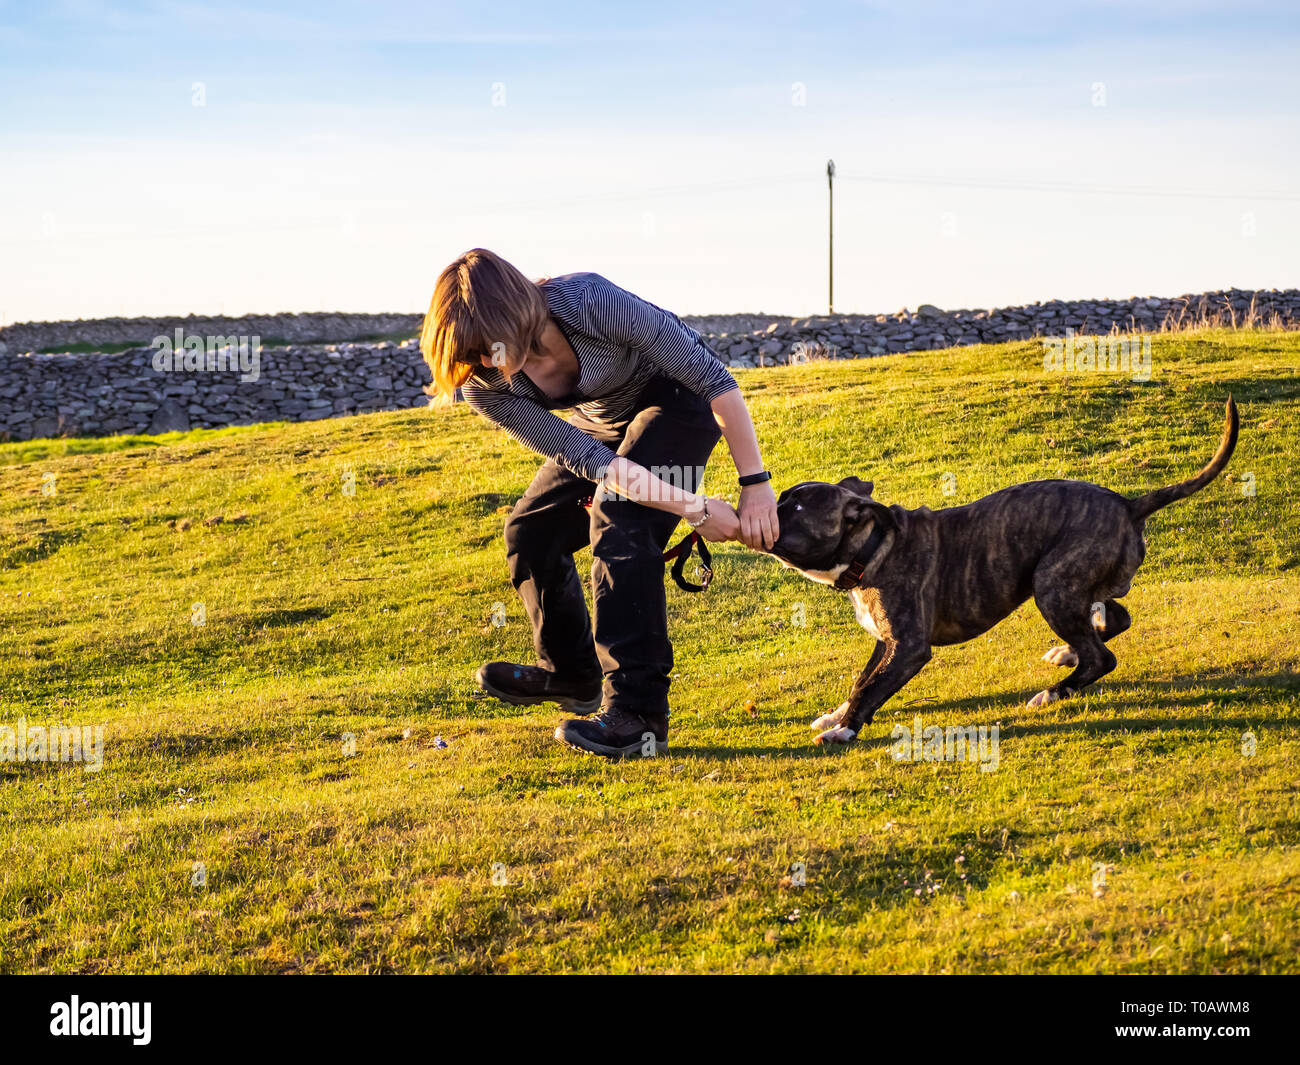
{"points": [[635, 482], [755, 524], [681, 353], [758, 524], [539, 429], [545, 432]]}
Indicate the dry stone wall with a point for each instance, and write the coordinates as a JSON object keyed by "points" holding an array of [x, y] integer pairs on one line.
{"points": [[272, 328], [134, 391], [123, 392]]}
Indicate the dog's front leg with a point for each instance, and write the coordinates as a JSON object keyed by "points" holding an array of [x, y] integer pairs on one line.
{"points": [[833, 718], [898, 663]]}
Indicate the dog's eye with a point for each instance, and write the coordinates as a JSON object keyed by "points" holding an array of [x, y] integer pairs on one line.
{"points": [[798, 506]]}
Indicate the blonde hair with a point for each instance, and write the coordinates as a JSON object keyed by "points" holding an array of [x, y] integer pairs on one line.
{"points": [[481, 306]]}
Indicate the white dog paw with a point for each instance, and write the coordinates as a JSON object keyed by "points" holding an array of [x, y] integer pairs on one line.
{"points": [[835, 735], [1062, 656], [831, 717], [1043, 698]]}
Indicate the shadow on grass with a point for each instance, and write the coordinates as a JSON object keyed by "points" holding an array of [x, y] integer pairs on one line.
{"points": [[41, 547], [1151, 694], [485, 504], [274, 619], [1211, 692]]}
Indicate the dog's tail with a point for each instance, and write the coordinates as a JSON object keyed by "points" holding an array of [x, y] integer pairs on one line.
{"points": [[1162, 497]]}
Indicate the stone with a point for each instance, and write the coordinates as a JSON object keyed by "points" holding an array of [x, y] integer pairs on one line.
{"points": [[170, 417], [322, 370]]}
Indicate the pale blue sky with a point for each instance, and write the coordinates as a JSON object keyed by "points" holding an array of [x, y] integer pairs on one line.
{"points": [[345, 152]]}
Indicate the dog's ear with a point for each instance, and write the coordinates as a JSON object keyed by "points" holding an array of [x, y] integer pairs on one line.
{"points": [[860, 509], [857, 486]]}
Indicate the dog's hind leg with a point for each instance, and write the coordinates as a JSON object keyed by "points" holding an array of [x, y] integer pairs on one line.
{"points": [[1109, 619], [1067, 608]]}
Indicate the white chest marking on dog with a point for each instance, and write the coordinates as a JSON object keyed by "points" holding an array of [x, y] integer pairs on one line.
{"points": [[863, 614], [822, 576]]}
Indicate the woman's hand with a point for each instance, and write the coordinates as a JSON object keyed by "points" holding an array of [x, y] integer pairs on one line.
{"points": [[758, 524], [723, 523]]}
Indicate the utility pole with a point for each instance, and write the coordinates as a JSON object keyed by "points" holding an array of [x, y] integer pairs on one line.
{"points": [[830, 238]]}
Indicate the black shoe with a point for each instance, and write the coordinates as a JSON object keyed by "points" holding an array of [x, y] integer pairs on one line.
{"points": [[528, 685], [616, 733]]}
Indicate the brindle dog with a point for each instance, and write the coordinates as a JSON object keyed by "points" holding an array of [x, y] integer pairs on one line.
{"points": [[922, 578]]}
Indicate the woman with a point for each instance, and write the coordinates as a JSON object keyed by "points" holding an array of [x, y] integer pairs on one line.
{"points": [[648, 400]]}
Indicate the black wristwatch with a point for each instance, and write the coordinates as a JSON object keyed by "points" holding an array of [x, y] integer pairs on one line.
{"points": [[755, 478]]}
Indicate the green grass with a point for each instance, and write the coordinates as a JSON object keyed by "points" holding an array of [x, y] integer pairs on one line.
{"points": [[85, 347], [328, 614]]}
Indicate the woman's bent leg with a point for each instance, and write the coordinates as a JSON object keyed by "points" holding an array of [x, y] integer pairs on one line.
{"points": [[672, 437], [543, 531]]}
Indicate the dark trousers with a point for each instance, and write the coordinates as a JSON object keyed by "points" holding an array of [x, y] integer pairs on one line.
{"points": [[672, 429]]}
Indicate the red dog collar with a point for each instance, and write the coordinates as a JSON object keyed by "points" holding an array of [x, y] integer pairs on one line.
{"points": [[852, 576]]}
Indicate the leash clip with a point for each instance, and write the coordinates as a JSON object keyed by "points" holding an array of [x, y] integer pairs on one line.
{"points": [[681, 553]]}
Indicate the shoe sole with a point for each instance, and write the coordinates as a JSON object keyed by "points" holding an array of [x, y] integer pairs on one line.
{"points": [[632, 750], [583, 708]]}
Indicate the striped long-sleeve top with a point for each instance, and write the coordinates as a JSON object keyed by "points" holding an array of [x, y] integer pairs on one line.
{"points": [[621, 342]]}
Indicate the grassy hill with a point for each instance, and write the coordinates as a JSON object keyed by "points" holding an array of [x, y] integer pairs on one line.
{"points": [[328, 615]]}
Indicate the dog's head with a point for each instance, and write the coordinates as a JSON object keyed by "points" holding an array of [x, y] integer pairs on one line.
{"points": [[822, 525]]}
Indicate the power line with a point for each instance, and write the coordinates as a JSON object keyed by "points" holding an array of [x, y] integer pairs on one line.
{"points": [[728, 185], [1073, 188], [471, 210]]}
